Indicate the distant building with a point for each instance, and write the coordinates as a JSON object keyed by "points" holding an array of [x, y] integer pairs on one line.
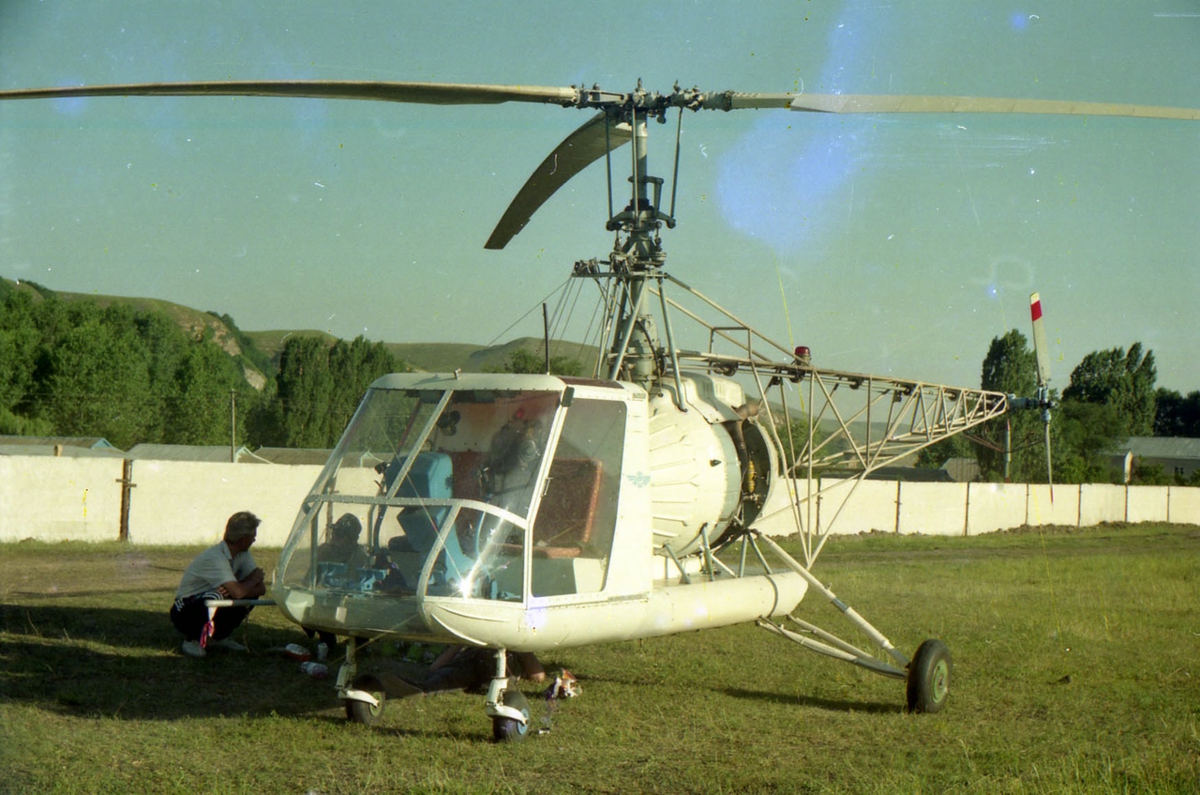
{"points": [[910, 474], [69, 446], [186, 452], [963, 470], [1179, 457], [288, 456]]}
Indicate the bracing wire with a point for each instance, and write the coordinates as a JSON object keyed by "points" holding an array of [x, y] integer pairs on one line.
{"points": [[536, 307]]}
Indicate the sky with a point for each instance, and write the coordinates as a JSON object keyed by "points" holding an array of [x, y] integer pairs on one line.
{"points": [[898, 245]]}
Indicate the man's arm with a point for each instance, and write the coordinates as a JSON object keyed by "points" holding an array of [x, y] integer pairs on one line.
{"points": [[252, 586]]}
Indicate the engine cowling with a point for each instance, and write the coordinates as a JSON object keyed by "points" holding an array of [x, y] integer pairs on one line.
{"points": [[710, 464]]}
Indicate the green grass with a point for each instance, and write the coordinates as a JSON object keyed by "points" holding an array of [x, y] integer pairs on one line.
{"points": [[1077, 660]]}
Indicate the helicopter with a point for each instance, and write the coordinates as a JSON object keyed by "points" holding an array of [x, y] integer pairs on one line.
{"points": [[534, 512]]}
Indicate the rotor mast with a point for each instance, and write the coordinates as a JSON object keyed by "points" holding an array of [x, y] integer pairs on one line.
{"points": [[638, 257]]}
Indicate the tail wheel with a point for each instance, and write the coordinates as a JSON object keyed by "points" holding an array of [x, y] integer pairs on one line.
{"points": [[929, 677], [362, 711]]}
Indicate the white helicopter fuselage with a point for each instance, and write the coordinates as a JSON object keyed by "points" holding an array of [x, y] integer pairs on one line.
{"points": [[534, 512]]}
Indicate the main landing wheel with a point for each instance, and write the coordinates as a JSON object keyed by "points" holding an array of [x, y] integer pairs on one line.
{"points": [[929, 677], [511, 730], [362, 711]]}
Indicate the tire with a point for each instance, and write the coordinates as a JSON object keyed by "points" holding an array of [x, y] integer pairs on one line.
{"points": [[362, 711], [510, 730], [929, 677]]}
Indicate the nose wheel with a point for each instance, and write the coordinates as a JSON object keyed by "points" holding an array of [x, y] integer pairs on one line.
{"points": [[363, 711], [508, 729], [506, 706], [929, 677]]}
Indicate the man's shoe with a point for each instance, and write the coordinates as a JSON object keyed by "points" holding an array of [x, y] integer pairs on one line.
{"points": [[229, 644], [192, 648]]}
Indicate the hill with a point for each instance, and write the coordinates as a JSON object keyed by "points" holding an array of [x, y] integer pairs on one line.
{"points": [[259, 350], [221, 330]]}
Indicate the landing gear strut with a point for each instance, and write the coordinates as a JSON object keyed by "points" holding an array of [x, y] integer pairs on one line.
{"points": [[927, 674]]}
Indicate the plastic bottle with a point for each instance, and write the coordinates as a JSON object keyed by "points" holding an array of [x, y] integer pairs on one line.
{"points": [[296, 652], [315, 669]]}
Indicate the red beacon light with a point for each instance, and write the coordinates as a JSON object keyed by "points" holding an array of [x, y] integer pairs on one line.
{"points": [[803, 355]]}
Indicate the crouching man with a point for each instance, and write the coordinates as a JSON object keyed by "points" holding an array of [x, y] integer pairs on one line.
{"points": [[223, 571]]}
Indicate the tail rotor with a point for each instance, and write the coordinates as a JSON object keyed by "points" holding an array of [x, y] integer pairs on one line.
{"points": [[1043, 378]]}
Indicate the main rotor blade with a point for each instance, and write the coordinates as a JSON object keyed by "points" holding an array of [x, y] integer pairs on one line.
{"points": [[578, 150], [878, 103], [383, 91], [482, 94]]}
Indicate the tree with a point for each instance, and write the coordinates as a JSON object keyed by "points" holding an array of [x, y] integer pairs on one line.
{"points": [[937, 454], [19, 337], [1084, 435], [200, 407], [354, 366], [523, 360], [1176, 415], [99, 384], [1010, 366], [319, 387], [1124, 381], [79, 368], [305, 386]]}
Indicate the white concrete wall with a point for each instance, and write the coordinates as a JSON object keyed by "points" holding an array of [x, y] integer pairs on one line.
{"points": [[173, 502], [995, 506], [933, 509], [869, 507], [1057, 505], [1184, 505], [1148, 504], [1100, 502], [185, 502], [59, 499]]}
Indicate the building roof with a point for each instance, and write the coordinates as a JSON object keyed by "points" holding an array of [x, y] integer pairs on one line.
{"points": [[307, 456], [287, 455], [63, 451], [185, 452], [85, 442], [962, 470], [1176, 447], [910, 474]]}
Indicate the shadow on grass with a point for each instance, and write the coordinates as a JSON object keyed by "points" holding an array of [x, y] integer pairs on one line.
{"points": [[127, 663], [766, 696], [831, 705]]}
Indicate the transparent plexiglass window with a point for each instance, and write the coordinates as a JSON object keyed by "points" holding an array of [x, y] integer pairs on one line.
{"points": [[443, 482], [573, 530]]}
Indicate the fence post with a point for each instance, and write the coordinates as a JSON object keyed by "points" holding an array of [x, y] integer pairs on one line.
{"points": [[127, 485], [896, 524], [967, 512]]}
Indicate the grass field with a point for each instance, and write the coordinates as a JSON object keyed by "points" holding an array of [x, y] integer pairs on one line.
{"points": [[1077, 669]]}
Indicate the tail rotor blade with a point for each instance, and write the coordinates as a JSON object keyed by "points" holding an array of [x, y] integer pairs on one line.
{"points": [[1039, 340], [1043, 376], [1049, 463]]}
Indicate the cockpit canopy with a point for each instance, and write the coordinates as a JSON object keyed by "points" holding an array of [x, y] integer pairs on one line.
{"points": [[492, 487]]}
